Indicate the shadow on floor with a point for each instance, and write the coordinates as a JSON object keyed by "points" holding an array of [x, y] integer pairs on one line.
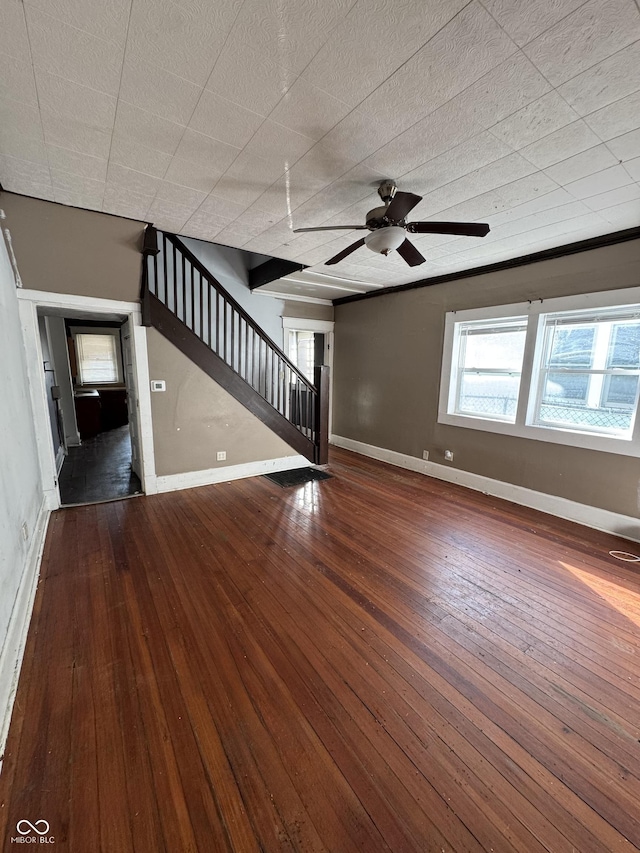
{"points": [[99, 470]]}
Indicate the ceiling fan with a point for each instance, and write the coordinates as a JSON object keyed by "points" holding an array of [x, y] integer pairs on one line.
{"points": [[387, 226]]}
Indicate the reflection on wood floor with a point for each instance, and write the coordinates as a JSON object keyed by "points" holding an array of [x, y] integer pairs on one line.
{"points": [[376, 662]]}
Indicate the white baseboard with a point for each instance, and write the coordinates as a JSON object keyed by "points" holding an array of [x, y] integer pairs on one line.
{"points": [[16, 638], [600, 519], [191, 479]]}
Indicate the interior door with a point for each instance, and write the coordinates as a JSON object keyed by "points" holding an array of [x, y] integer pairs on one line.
{"points": [[132, 397]]}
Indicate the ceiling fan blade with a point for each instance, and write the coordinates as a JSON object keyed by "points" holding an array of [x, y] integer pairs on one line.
{"points": [[343, 254], [333, 228], [401, 204], [411, 255], [468, 229]]}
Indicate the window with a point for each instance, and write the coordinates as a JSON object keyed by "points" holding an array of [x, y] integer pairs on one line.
{"points": [[98, 358], [301, 351], [569, 376], [489, 368]]}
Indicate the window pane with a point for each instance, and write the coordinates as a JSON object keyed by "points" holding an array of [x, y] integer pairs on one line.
{"points": [[620, 391], [97, 358], [301, 352], [624, 349], [489, 395], [561, 405], [495, 348], [572, 347]]}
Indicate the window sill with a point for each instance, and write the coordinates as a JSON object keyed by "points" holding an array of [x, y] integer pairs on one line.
{"points": [[586, 441]]}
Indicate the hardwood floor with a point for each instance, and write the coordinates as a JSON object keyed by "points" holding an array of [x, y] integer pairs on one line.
{"points": [[376, 662]]}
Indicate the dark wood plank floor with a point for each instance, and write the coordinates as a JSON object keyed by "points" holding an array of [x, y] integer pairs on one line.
{"points": [[376, 662]]}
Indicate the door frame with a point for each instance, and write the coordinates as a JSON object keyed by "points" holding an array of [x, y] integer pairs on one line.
{"points": [[29, 301], [325, 327]]}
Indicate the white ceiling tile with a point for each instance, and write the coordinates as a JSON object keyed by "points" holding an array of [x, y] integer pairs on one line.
{"points": [[477, 152], [627, 146], [633, 168], [137, 182], [220, 208], [104, 20], [581, 165], [124, 202], [308, 110], [134, 155], [547, 201], [359, 134], [607, 179], [312, 173], [220, 119], [201, 229], [189, 173], [560, 145], [66, 132], [64, 97], [604, 83], [17, 81], [14, 40], [245, 180], [158, 91], [274, 140], [592, 33], [14, 168], [184, 197], [507, 88], [375, 39], [68, 52], [460, 54], [84, 192], [184, 39], [205, 151], [76, 163], [625, 215], [21, 132], [489, 177], [27, 187], [289, 32], [536, 120], [248, 78], [146, 128], [617, 118], [167, 215], [276, 199], [525, 21], [621, 195]]}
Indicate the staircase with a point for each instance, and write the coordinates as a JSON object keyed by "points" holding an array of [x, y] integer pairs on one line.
{"points": [[185, 302]]}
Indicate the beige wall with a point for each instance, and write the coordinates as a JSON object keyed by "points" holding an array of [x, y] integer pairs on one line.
{"points": [[195, 417], [387, 376], [69, 250], [307, 310]]}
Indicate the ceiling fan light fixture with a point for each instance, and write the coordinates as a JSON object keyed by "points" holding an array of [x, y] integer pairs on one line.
{"points": [[385, 240]]}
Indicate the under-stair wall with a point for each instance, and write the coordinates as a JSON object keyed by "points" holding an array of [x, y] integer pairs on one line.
{"points": [[191, 308]]}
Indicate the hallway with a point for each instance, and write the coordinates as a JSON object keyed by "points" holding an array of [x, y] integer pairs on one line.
{"points": [[99, 470]]}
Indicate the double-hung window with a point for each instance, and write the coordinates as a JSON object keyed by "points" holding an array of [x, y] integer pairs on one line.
{"points": [[569, 376]]}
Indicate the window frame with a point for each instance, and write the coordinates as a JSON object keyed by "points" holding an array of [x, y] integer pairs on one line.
{"points": [[99, 330], [524, 426]]}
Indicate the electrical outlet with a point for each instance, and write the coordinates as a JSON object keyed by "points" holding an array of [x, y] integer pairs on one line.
{"points": [[448, 455], [425, 455], [221, 455]]}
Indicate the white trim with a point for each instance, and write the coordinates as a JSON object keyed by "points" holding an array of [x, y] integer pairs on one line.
{"points": [[599, 519], [18, 628], [28, 303], [192, 479], [293, 297], [60, 458], [301, 324]]}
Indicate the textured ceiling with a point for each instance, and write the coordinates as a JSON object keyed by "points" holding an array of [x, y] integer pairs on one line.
{"points": [[235, 121]]}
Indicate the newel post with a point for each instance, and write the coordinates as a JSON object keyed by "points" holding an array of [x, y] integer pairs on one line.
{"points": [[149, 247], [321, 426]]}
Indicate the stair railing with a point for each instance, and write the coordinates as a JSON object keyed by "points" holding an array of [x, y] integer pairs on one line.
{"points": [[175, 276]]}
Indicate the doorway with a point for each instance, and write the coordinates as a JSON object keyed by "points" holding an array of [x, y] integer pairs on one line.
{"points": [[88, 375], [93, 366], [309, 344]]}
